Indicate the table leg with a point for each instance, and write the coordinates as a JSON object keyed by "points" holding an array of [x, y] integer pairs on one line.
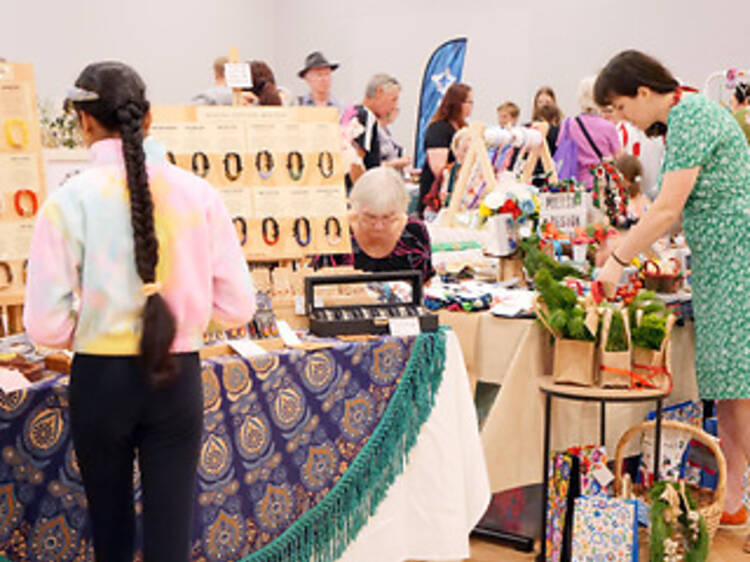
{"points": [[545, 476], [657, 440], [603, 422]]}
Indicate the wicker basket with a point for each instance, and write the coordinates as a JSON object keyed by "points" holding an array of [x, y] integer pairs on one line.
{"points": [[710, 502], [655, 280]]}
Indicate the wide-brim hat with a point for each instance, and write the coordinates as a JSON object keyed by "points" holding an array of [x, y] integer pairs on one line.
{"points": [[314, 60]]}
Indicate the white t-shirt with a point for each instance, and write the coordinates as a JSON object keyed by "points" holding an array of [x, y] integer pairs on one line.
{"points": [[650, 151]]}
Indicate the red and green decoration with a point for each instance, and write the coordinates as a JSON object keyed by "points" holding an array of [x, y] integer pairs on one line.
{"points": [[610, 193]]}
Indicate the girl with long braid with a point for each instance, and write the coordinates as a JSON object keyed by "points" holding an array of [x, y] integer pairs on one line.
{"points": [[129, 261]]}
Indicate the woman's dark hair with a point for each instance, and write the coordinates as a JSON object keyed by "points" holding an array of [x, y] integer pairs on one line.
{"points": [[121, 108], [628, 71], [450, 106], [550, 113], [741, 92], [535, 115], [264, 84], [631, 169]]}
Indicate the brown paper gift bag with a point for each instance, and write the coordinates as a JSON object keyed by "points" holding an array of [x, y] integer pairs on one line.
{"points": [[614, 369], [573, 361], [651, 367]]}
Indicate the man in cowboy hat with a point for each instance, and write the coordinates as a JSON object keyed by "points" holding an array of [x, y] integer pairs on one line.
{"points": [[317, 73]]}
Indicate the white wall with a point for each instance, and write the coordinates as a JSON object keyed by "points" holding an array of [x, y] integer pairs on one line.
{"points": [[513, 47], [171, 44]]}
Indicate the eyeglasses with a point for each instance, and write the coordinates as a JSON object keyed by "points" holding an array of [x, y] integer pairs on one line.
{"points": [[387, 220]]}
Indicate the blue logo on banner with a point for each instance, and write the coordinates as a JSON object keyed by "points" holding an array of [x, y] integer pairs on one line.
{"points": [[445, 67]]}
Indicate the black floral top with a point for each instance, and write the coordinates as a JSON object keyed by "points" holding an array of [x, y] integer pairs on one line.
{"points": [[412, 251]]}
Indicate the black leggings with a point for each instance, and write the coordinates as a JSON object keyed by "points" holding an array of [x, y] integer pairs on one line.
{"points": [[115, 413]]}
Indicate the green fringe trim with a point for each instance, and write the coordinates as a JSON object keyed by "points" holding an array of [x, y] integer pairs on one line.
{"points": [[323, 533]]}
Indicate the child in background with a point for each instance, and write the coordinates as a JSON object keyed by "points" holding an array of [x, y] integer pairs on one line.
{"points": [[631, 170], [507, 114]]}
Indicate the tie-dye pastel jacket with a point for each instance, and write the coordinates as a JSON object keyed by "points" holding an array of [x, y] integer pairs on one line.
{"points": [[83, 290]]}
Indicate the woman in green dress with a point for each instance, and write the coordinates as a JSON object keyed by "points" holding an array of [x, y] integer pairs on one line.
{"points": [[706, 177]]}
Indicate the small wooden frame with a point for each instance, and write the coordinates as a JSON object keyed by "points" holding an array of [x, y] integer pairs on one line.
{"points": [[537, 153], [475, 155]]}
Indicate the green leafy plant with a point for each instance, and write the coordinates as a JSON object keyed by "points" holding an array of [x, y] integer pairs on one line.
{"points": [[618, 337], [565, 315], [669, 508], [535, 260], [650, 333]]}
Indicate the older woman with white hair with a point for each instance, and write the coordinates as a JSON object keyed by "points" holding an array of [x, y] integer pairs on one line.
{"points": [[595, 138], [384, 238]]}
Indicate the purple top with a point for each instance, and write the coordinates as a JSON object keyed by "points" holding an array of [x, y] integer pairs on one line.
{"points": [[602, 132]]}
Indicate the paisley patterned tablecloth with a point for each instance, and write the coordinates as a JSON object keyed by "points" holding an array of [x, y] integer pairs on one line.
{"points": [[298, 450]]}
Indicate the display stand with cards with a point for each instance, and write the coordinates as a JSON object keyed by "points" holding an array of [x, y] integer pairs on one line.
{"points": [[278, 169], [21, 185]]}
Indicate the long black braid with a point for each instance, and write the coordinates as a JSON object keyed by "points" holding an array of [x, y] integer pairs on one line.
{"points": [[122, 107]]}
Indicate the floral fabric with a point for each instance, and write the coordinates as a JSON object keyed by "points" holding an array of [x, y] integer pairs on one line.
{"points": [[604, 529], [716, 219]]}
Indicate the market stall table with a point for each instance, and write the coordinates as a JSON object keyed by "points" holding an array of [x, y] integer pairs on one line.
{"points": [[281, 431]]}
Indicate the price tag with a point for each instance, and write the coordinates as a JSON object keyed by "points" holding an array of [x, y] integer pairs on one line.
{"points": [[238, 75], [402, 327], [603, 475], [287, 334], [299, 305], [247, 348]]}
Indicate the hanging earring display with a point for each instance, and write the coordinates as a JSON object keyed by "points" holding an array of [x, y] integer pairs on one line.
{"points": [[325, 164], [200, 164], [16, 132], [333, 230], [241, 226], [269, 223], [26, 210], [302, 224], [264, 164], [232, 171], [295, 163], [8, 275], [170, 158]]}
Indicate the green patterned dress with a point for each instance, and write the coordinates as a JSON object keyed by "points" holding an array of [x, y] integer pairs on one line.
{"points": [[716, 219]]}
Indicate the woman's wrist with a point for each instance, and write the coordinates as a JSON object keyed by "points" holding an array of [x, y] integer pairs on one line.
{"points": [[617, 258]]}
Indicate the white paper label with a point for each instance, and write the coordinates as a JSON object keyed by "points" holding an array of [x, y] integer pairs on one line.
{"points": [[238, 75], [287, 334], [299, 305], [11, 380], [402, 327], [247, 348], [603, 475], [565, 210]]}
